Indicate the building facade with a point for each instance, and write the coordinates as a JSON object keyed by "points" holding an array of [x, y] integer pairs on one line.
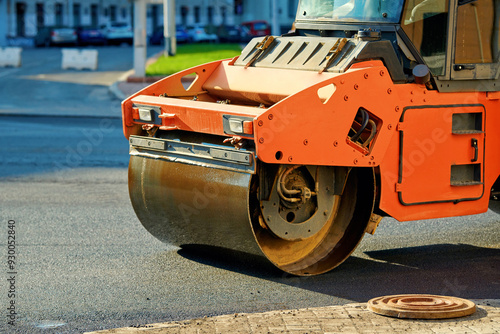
{"points": [[3, 22], [248, 10], [25, 17], [21, 19]]}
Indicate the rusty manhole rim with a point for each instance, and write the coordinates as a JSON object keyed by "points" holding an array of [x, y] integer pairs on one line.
{"points": [[422, 306]]}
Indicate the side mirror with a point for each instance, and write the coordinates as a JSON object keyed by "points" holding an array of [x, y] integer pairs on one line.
{"points": [[422, 74]]}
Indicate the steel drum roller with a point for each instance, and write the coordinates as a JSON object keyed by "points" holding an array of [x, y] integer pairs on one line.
{"points": [[188, 203]]}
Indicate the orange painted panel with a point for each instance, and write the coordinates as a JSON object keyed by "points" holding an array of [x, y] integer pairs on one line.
{"points": [[196, 116], [428, 150], [427, 180], [305, 129], [171, 85]]}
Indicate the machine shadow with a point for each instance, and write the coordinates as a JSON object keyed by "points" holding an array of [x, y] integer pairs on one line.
{"points": [[461, 270], [494, 206], [232, 260]]}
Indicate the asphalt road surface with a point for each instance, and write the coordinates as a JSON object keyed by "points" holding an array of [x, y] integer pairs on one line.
{"points": [[83, 261], [40, 86]]}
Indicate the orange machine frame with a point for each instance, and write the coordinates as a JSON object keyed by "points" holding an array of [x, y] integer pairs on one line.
{"points": [[303, 118]]}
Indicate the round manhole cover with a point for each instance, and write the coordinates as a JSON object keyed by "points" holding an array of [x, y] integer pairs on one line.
{"points": [[422, 306]]}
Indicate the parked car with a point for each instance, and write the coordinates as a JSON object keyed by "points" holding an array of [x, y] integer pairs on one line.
{"points": [[199, 34], [90, 36], [118, 32], [258, 28], [47, 36], [233, 34], [181, 35]]}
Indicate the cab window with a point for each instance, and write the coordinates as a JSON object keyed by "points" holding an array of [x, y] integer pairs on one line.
{"points": [[381, 11], [477, 32], [425, 23]]}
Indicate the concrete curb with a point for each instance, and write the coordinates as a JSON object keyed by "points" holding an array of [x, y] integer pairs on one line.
{"points": [[129, 77], [115, 90], [350, 318]]}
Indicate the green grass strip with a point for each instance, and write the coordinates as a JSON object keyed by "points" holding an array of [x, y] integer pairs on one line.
{"points": [[190, 55]]}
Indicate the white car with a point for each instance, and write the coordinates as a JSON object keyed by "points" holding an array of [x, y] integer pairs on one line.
{"points": [[199, 34], [118, 32], [47, 36]]}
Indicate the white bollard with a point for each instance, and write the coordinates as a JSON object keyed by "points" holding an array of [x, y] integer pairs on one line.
{"points": [[79, 59], [10, 57]]}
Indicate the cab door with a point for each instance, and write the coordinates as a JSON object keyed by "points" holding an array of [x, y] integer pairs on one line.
{"points": [[441, 154]]}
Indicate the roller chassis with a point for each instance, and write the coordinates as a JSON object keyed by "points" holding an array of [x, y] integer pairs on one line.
{"points": [[305, 141]]}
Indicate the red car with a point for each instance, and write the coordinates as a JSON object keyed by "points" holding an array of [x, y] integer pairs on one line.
{"points": [[258, 28]]}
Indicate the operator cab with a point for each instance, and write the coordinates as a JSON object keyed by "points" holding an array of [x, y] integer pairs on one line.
{"points": [[456, 39]]}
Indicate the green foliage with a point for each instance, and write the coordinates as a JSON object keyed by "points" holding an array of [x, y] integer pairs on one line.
{"points": [[190, 55]]}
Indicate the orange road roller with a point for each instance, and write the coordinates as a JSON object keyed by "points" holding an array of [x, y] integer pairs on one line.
{"points": [[299, 146]]}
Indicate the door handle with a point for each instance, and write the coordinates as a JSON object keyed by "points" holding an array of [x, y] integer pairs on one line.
{"points": [[476, 149]]}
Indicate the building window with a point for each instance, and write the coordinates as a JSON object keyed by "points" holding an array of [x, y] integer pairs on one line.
{"points": [[210, 15], [238, 7], [40, 15], [59, 14], [124, 12], [223, 13], [94, 15], [184, 14], [197, 14], [76, 15], [20, 18], [112, 12], [155, 11]]}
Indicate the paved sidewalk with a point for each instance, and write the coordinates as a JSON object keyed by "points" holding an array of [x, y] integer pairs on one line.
{"points": [[350, 318]]}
